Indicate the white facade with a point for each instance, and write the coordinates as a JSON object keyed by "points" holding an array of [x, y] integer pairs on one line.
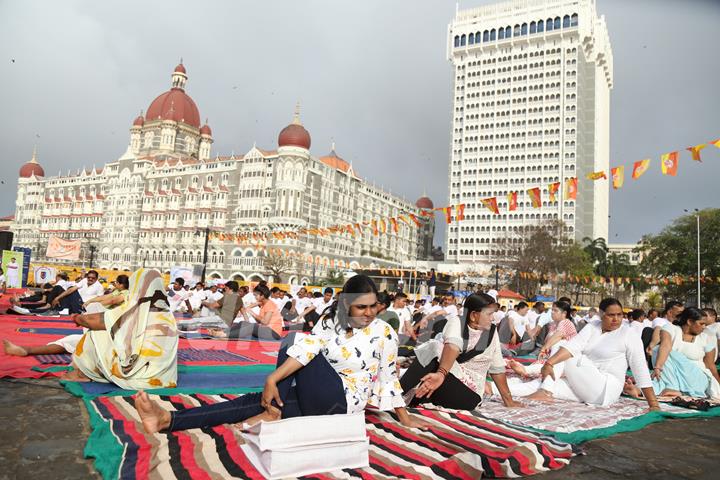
{"points": [[530, 108], [151, 206], [634, 258]]}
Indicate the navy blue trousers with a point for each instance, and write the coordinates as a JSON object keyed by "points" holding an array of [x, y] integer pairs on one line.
{"points": [[315, 389]]}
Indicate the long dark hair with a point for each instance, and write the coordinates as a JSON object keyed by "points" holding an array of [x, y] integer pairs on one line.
{"points": [[339, 311], [690, 313], [565, 307]]}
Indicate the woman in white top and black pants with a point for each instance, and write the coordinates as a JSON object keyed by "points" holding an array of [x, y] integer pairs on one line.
{"points": [[451, 372], [346, 364], [593, 363]]}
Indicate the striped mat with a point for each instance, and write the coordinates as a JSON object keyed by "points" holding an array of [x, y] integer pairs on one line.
{"points": [[458, 445], [186, 356]]}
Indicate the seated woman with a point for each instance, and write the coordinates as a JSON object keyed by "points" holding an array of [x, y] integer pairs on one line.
{"points": [[346, 364], [133, 345], [593, 364], [268, 322], [560, 329], [388, 316], [450, 372], [68, 343], [685, 360]]}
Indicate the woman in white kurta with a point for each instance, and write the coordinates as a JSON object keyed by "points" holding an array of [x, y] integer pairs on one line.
{"points": [[450, 371], [685, 357], [591, 367], [13, 274]]}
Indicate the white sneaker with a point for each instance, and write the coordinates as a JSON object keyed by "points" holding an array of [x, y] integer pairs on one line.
{"points": [[21, 310], [64, 311]]}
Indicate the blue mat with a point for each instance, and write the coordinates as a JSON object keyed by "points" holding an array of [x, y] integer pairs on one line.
{"points": [[52, 331], [191, 380]]}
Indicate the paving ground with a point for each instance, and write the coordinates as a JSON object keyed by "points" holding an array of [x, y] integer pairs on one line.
{"points": [[43, 431]]}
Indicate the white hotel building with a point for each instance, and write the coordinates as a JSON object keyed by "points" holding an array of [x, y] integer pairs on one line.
{"points": [[153, 205], [532, 82]]}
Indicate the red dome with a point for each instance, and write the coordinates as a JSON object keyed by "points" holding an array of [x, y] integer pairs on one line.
{"points": [[139, 121], [180, 68], [424, 202], [176, 105], [205, 130], [294, 135], [30, 169]]}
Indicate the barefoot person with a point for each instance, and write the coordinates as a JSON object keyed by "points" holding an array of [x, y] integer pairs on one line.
{"points": [[345, 365], [593, 364], [451, 372], [133, 345], [68, 343]]}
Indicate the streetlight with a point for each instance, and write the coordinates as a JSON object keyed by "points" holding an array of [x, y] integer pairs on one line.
{"points": [[697, 217], [205, 252]]}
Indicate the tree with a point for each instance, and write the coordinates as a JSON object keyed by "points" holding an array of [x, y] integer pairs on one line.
{"points": [[598, 251], [673, 252], [277, 266], [334, 277]]}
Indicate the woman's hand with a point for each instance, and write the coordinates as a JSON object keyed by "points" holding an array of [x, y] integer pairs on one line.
{"points": [[429, 383], [513, 404], [656, 373], [547, 370], [413, 422], [270, 393]]}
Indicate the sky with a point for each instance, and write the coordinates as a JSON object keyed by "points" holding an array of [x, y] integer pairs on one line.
{"points": [[371, 76]]}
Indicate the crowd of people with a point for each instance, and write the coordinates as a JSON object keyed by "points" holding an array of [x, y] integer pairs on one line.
{"points": [[359, 348]]}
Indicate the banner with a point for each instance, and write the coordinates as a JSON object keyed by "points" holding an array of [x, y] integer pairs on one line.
{"points": [[534, 194], [43, 275], [491, 204], [571, 188], [596, 176], [669, 163], [618, 177], [26, 263], [63, 249], [695, 151], [512, 201], [186, 273], [12, 265], [639, 168], [552, 190]]}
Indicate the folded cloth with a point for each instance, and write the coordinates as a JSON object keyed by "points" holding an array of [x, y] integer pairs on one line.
{"points": [[304, 445]]}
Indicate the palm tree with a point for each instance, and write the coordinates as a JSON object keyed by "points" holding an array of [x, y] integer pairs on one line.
{"points": [[598, 251]]}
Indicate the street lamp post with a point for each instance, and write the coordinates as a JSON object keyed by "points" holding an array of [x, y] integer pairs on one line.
{"points": [[697, 218], [205, 254]]}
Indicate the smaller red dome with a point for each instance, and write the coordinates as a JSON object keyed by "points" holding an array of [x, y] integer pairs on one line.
{"points": [[294, 135], [180, 68], [30, 169], [205, 130], [424, 202], [139, 121]]}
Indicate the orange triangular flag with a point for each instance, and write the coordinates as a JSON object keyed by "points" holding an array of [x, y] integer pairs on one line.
{"points": [[534, 194], [618, 176], [491, 204], [552, 190], [571, 188], [512, 201], [596, 175]]}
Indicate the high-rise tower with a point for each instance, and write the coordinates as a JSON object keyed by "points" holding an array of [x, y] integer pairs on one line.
{"points": [[531, 103]]}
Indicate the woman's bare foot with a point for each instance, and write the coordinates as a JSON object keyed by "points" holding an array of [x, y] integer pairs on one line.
{"points": [[488, 388], [74, 375], [541, 395], [670, 393], [15, 350], [517, 367], [631, 390], [154, 418]]}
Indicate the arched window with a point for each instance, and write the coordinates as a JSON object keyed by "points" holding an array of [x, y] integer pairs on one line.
{"points": [[457, 41], [556, 25], [492, 35], [549, 23], [471, 39], [477, 37], [501, 34], [566, 21], [540, 26], [533, 28], [524, 29], [486, 36], [574, 20], [462, 40], [516, 32]]}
